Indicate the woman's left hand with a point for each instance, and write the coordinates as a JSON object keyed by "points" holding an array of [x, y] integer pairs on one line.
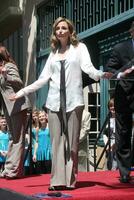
{"points": [[107, 75]]}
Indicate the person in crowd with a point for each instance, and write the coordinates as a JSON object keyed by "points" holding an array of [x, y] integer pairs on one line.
{"points": [[15, 113], [27, 155], [35, 118], [4, 140], [83, 142], [42, 147], [109, 138], [121, 62], [35, 125], [65, 102], [85, 124], [30, 141]]}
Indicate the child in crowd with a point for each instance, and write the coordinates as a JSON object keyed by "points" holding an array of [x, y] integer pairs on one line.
{"points": [[109, 137], [42, 147], [4, 140]]}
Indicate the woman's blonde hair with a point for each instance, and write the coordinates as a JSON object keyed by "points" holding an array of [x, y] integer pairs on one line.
{"points": [[55, 44]]}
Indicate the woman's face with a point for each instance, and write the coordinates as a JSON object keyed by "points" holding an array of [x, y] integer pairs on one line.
{"points": [[62, 31]]}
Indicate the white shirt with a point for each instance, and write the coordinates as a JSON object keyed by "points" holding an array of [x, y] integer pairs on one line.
{"points": [[76, 59], [112, 132]]}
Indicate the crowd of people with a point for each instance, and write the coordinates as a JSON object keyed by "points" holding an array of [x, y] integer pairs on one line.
{"points": [[41, 145], [56, 148]]}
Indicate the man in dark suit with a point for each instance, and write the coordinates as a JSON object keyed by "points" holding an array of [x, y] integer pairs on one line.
{"points": [[15, 113], [121, 62]]}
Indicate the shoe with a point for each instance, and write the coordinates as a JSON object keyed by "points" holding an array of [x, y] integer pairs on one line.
{"points": [[125, 178], [70, 188], [51, 188], [10, 178], [13, 177], [55, 188], [2, 175]]}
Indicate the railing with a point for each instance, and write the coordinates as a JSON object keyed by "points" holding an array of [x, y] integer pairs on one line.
{"points": [[106, 122]]}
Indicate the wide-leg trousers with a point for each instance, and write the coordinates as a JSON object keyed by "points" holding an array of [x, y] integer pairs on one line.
{"points": [[65, 147]]}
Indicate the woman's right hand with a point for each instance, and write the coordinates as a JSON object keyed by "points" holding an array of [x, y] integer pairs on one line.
{"points": [[13, 97]]}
